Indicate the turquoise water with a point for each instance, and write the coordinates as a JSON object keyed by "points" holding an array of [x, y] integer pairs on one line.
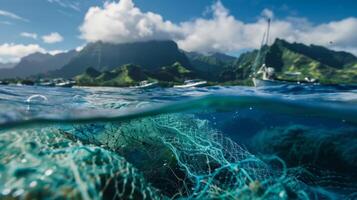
{"points": [[200, 143]]}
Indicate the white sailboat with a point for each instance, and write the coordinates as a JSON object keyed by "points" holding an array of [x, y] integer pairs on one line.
{"points": [[265, 76], [147, 85]]}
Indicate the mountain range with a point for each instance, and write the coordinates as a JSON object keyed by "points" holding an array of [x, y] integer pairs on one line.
{"points": [[162, 61], [312, 61], [7, 65], [150, 55], [317, 62], [131, 75], [37, 63]]}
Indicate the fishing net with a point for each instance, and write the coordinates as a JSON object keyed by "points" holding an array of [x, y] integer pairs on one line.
{"points": [[174, 156], [46, 164]]}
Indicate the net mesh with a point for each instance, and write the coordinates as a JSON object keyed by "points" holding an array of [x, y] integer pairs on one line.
{"points": [[45, 164], [174, 156]]}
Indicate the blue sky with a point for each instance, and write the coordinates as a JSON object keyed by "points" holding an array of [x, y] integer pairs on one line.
{"points": [[38, 18]]}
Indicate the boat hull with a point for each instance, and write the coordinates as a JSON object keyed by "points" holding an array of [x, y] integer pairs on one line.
{"points": [[197, 84], [147, 86], [68, 85], [267, 83]]}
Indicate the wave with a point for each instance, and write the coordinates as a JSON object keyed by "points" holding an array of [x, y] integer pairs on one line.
{"points": [[213, 103]]}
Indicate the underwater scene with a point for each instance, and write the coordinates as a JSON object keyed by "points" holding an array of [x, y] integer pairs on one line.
{"points": [[280, 142]]}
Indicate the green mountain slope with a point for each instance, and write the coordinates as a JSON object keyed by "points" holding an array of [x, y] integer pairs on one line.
{"points": [[210, 67], [131, 75], [312, 61], [175, 73], [335, 59], [126, 75]]}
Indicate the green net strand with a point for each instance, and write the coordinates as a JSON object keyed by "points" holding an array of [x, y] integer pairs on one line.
{"points": [[42, 164]]}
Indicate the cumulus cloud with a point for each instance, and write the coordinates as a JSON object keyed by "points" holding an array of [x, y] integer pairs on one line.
{"points": [[336, 34], [12, 15], [10, 52], [223, 32], [120, 22], [29, 35], [52, 38]]}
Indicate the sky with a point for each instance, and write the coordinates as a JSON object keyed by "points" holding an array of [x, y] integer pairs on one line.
{"points": [[228, 26]]}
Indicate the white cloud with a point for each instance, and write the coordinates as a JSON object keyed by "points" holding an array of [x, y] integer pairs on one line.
{"points": [[222, 32], [10, 52], [52, 38], [79, 48], [225, 33], [120, 22], [267, 13], [55, 52], [67, 4], [12, 15], [336, 34], [29, 35]]}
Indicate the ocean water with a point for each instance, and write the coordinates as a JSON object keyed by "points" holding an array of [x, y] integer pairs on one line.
{"points": [[288, 142]]}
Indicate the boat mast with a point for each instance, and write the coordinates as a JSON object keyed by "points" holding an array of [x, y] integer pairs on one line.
{"points": [[267, 33], [265, 42]]}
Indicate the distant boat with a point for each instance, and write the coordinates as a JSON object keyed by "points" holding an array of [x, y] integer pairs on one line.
{"points": [[67, 84], [46, 84], [267, 83], [56, 83], [191, 83], [146, 85]]}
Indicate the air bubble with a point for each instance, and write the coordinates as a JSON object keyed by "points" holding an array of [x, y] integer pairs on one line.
{"points": [[48, 172]]}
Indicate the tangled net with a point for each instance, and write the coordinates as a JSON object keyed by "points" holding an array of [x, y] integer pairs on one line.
{"points": [[45, 164], [174, 156]]}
